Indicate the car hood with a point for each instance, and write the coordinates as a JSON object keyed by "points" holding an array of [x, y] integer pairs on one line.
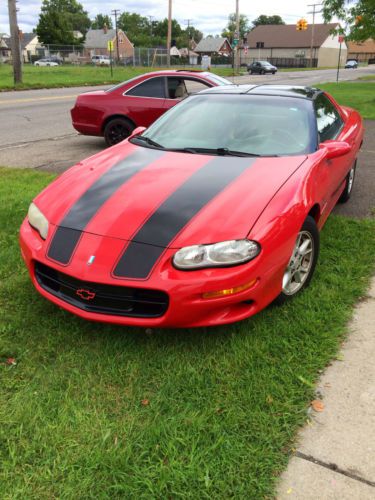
{"points": [[163, 198]]}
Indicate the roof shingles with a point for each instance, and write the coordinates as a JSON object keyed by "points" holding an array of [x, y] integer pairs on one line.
{"points": [[286, 35]]}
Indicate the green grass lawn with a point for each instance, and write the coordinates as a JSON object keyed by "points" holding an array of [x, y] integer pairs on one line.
{"points": [[360, 96], [72, 76], [224, 404]]}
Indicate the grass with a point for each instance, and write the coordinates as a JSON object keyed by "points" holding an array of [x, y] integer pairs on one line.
{"points": [[367, 77], [224, 404], [73, 76], [360, 96]]}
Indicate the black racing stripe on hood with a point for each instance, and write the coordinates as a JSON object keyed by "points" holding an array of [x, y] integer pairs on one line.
{"points": [[162, 227], [68, 234]]}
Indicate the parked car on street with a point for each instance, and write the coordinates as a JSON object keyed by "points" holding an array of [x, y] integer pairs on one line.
{"points": [[116, 112], [101, 60], [351, 64], [46, 62], [261, 67], [203, 219]]}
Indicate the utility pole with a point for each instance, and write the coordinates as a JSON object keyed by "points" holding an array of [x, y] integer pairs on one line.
{"points": [[237, 35], [151, 18], [314, 5], [15, 42], [169, 36], [115, 12], [187, 21]]}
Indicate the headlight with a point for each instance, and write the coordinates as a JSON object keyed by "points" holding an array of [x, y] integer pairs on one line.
{"points": [[226, 253], [37, 220]]}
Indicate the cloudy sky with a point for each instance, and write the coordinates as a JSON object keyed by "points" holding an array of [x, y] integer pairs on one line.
{"points": [[209, 16]]}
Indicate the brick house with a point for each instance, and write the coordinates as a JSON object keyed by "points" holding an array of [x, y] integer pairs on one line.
{"points": [[96, 43]]}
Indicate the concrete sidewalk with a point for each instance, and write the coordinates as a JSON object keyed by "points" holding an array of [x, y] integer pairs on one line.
{"points": [[335, 457]]}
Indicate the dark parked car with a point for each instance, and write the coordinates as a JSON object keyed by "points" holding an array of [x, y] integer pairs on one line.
{"points": [[261, 67], [351, 64]]}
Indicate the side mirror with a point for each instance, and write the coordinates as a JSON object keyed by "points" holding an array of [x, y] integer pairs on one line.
{"points": [[335, 148], [137, 131]]}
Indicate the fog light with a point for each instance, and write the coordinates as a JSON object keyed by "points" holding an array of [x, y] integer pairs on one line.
{"points": [[229, 291]]}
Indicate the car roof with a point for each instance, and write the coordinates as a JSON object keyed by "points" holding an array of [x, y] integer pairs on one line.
{"points": [[266, 89], [179, 72]]}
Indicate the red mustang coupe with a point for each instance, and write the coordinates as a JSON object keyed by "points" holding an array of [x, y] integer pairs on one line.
{"points": [[203, 219], [116, 112]]}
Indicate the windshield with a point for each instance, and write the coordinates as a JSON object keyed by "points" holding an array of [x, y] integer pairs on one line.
{"points": [[251, 124]]}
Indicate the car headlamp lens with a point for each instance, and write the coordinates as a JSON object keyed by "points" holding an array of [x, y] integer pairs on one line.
{"points": [[37, 220], [225, 253]]}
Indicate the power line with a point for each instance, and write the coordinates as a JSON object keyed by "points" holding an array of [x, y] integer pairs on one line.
{"points": [[314, 5]]}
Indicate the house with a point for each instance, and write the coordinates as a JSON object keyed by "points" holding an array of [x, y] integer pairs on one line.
{"points": [[214, 46], [362, 51], [283, 45], [193, 56], [96, 43], [5, 50], [29, 46]]}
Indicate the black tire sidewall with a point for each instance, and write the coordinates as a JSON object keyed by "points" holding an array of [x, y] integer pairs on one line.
{"points": [[117, 121], [346, 194]]}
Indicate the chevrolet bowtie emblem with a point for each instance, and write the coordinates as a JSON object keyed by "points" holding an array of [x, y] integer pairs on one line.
{"points": [[85, 294]]}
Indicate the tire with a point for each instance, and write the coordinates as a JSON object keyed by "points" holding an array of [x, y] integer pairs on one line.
{"points": [[250, 72], [273, 72], [117, 130], [349, 182], [301, 266], [262, 72]]}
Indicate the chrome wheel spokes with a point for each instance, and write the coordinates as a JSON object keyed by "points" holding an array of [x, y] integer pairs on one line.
{"points": [[299, 264]]}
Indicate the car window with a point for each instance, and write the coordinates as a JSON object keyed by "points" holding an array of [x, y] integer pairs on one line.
{"points": [[328, 119], [263, 125], [178, 88], [150, 88]]}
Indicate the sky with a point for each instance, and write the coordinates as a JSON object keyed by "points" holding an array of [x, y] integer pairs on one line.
{"points": [[209, 16]]}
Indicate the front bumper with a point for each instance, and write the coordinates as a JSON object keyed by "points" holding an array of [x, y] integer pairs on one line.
{"points": [[186, 308]]}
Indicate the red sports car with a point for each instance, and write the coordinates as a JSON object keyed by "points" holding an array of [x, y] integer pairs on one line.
{"points": [[203, 219], [116, 112]]}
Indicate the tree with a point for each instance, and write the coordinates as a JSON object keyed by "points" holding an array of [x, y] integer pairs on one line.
{"points": [[101, 20], [359, 16], [58, 19], [262, 19], [228, 32]]}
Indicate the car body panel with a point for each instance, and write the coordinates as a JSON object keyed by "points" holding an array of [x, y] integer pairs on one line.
{"points": [[92, 110], [266, 200]]}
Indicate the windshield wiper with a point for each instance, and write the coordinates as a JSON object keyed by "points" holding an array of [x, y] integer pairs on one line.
{"points": [[149, 141], [214, 151]]}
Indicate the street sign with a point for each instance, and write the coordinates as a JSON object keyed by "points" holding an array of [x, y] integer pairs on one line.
{"points": [[341, 38], [235, 42], [110, 45]]}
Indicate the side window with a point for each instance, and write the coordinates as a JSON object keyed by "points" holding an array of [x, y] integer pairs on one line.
{"points": [[195, 86], [176, 88], [150, 88], [328, 119]]}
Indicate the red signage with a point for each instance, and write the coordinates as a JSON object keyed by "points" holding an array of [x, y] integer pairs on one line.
{"points": [[341, 38]]}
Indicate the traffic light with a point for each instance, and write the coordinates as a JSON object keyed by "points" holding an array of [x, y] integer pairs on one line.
{"points": [[301, 25]]}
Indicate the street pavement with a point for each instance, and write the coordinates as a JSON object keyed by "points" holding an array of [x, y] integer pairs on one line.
{"points": [[335, 456]]}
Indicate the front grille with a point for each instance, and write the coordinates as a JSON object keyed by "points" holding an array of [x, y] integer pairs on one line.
{"points": [[103, 299]]}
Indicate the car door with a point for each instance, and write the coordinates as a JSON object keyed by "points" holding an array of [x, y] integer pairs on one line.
{"points": [[145, 101], [331, 126], [179, 87]]}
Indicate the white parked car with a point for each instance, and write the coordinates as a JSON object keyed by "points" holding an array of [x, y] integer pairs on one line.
{"points": [[101, 60], [45, 62]]}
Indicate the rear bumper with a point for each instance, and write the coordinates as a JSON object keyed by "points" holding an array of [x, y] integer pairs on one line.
{"points": [[84, 126], [187, 307]]}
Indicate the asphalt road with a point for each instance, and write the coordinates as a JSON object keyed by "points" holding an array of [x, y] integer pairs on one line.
{"points": [[36, 130]]}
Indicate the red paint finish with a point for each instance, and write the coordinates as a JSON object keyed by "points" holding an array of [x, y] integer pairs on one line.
{"points": [[267, 203], [93, 110]]}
